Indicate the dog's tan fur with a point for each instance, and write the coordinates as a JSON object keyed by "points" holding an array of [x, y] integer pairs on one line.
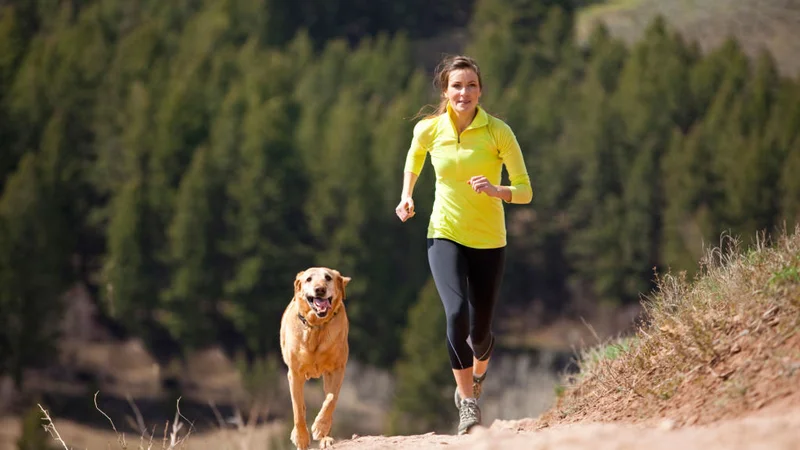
{"points": [[315, 347]]}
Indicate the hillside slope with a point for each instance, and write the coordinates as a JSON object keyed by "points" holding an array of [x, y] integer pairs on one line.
{"points": [[715, 365], [757, 24]]}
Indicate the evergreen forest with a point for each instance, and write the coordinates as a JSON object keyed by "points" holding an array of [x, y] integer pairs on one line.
{"points": [[185, 159]]}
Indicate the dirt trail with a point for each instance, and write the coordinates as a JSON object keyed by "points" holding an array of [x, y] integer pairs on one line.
{"points": [[777, 428]]}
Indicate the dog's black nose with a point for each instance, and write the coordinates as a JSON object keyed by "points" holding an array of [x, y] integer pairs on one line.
{"points": [[320, 291]]}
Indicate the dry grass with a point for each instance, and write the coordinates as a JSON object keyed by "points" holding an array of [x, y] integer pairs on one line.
{"points": [[172, 439], [723, 344], [756, 24], [598, 9], [233, 433]]}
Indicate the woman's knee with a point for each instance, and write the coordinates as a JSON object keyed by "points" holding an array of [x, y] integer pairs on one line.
{"points": [[482, 346], [457, 326]]}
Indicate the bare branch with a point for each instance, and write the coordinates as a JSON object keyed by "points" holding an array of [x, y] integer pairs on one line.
{"points": [[177, 425], [217, 414], [120, 436], [139, 419], [51, 428]]}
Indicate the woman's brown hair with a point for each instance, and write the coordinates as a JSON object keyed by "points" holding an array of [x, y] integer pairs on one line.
{"points": [[441, 78]]}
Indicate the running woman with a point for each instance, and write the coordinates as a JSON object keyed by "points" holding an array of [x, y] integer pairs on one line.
{"points": [[466, 236]]}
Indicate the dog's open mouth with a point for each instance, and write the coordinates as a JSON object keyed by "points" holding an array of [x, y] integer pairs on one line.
{"points": [[321, 305]]}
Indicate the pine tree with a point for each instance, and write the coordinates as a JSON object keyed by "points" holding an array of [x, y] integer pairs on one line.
{"points": [[750, 156], [786, 123], [651, 102], [606, 58], [11, 51], [335, 208], [735, 66], [554, 47], [133, 271], [34, 271], [691, 191], [501, 43], [725, 64], [124, 118], [761, 95], [790, 187], [190, 302], [596, 150], [265, 230]]}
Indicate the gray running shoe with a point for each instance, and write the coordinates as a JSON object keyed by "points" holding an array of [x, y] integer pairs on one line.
{"points": [[477, 388], [469, 415]]}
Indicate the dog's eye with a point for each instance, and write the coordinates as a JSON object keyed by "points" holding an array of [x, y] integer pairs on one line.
{"points": [[327, 277], [308, 280]]}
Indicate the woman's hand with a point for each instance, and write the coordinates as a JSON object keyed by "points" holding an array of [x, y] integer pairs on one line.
{"points": [[481, 184], [405, 210]]}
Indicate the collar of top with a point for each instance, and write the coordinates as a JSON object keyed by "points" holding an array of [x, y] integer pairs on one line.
{"points": [[481, 118]]}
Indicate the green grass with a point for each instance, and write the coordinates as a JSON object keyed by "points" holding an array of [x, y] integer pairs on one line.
{"points": [[610, 351], [790, 274]]}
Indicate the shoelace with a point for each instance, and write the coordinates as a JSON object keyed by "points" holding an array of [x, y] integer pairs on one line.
{"points": [[468, 411]]}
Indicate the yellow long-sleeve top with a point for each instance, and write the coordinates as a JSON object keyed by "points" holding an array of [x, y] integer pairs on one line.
{"points": [[459, 213]]}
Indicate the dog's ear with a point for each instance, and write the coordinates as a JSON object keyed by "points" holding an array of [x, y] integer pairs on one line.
{"points": [[342, 283], [297, 281]]}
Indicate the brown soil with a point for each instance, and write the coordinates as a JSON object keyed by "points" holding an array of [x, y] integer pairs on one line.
{"points": [[744, 383]]}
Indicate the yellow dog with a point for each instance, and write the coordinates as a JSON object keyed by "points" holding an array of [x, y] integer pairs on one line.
{"points": [[314, 330]]}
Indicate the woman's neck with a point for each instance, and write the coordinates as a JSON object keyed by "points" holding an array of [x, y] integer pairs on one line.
{"points": [[462, 120]]}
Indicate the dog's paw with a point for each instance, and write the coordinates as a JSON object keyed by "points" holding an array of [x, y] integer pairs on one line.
{"points": [[326, 442], [321, 428], [300, 438]]}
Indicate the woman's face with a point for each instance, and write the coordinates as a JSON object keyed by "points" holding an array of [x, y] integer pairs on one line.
{"points": [[463, 90]]}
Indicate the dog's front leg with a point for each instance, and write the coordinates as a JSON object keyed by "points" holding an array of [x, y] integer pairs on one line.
{"points": [[332, 383], [300, 437]]}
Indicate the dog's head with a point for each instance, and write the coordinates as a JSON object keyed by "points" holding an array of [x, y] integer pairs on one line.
{"points": [[319, 290]]}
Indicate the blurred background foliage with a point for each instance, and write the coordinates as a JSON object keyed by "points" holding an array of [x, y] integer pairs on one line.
{"points": [[184, 159]]}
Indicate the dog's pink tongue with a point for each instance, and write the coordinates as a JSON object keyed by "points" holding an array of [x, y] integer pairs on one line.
{"points": [[322, 304]]}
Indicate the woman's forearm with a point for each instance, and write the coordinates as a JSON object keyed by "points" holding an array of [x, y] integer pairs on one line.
{"points": [[409, 180], [504, 193]]}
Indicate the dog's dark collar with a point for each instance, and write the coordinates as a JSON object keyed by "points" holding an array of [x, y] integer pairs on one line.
{"points": [[305, 322]]}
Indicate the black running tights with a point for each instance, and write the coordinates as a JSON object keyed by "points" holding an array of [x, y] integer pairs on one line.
{"points": [[468, 282]]}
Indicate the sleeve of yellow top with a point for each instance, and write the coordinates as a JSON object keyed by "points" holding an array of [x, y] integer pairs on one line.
{"points": [[418, 150], [521, 191]]}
